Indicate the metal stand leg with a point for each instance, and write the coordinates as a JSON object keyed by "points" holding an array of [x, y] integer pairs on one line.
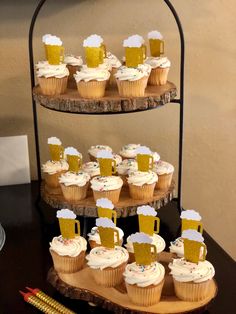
{"points": [[85, 227]]}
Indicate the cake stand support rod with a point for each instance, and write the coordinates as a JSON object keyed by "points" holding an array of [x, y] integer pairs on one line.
{"points": [[31, 60], [181, 102]]}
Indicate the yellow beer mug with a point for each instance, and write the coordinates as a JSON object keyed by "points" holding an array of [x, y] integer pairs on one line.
{"points": [[144, 48], [106, 163], [144, 251], [54, 54], [103, 53], [74, 159], [67, 223], [107, 237], [93, 56], [144, 158], [156, 47], [133, 56], [193, 245], [107, 212], [190, 219], [55, 148], [149, 224]]}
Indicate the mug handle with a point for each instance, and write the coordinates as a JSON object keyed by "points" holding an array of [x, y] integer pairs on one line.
{"points": [[151, 166], [62, 152], [62, 52], [162, 47], [157, 219], [114, 167], [78, 227], [204, 252], [117, 237], [114, 216], [200, 227], [80, 162], [154, 253]]}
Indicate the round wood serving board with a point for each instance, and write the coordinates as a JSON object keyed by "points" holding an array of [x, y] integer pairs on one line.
{"points": [[81, 285], [71, 101], [87, 207]]}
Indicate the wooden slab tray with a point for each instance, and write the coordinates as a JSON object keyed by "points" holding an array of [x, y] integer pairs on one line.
{"points": [[82, 286], [87, 207], [71, 101]]}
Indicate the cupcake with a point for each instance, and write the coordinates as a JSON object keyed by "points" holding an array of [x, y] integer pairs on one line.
{"points": [[74, 185], [117, 158], [73, 64], [91, 82], [165, 171], [68, 254], [144, 283], [160, 69], [177, 247], [52, 79], [52, 171], [157, 240], [126, 166], [107, 187], [132, 82], [92, 168], [191, 280], [107, 265], [129, 151], [94, 239], [142, 184], [93, 151], [115, 63]]}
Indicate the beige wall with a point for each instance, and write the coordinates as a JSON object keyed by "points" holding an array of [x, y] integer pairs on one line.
{"points": [[210, 114]]}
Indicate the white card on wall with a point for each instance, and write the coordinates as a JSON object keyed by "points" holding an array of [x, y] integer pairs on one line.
{"points": [[14, 160]]}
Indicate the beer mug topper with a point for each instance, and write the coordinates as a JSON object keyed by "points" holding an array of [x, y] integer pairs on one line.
{"points": [[55, 148], [190, 219], [105, 208], [134, 51], [74, 159], [94, 50], [54, 50], [144, 158], [106, 163], [156, 43], [67, 224], [107, 232], [148, 223], [193, 246]]}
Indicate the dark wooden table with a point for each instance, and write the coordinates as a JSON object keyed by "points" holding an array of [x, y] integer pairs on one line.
{"points": [[25, 260]]}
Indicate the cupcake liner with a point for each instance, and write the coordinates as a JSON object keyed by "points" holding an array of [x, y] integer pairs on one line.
{"points": [[132, 88], [144, 192], [91, 89], [158, 76], [67, 264], [109, 277], [53, 86], [74, 193], [190, 291], [112, 195], [164, 181], [145, 296], [52, 180]]}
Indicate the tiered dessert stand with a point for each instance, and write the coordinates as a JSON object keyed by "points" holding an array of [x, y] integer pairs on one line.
{"points": [[80, 285]]}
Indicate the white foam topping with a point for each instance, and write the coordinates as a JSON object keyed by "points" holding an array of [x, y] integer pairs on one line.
{"points": [[140, 237], [65, 213], [52, 40], [104, 203], [143, 150], [71, 151], [45, 37], [105, 222], [104, 154], [190, 214], [146, 210], [93, 41], [133, 41], [54, 141], [155, 35], [193, 235]]}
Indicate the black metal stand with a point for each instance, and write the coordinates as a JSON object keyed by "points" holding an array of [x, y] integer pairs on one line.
{"points": [[180, 101]]}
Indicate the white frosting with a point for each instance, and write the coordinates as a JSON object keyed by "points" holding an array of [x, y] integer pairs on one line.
{"points": [[92, 168], [105, 65], [163, 167], [184, 271], [71, 178], [158, 62], [146, 210], [66, 213], [101, 257], [157, 240], [52, 167], [144, 276], [71, 151], [130, 74], [105, 222], [156, 156], [58, 71], [93, 150], [51, 40], [140, 237], [193, 235], [94, 235], [129, 150], [68, 247], [104, 203], [73, 60], [155, 35], [112, 60], [139, 178], [133, 41], [145, 68], [126, 166], [91, 74], [104, 154], [41, 64], [54, 141], [143, 150], [190, 214], [108, 183], [93, 41]]}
